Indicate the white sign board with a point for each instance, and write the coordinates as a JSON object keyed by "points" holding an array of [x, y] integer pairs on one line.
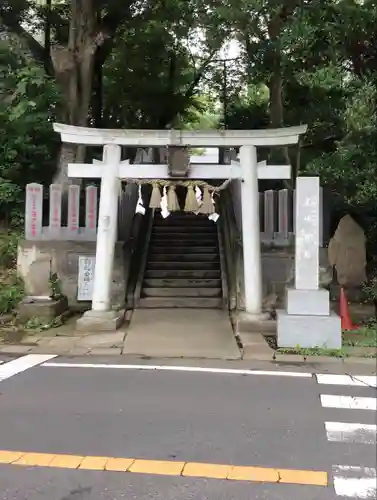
{"points": [[85, 278]]}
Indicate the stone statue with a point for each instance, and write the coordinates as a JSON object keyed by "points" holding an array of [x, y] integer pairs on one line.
{"points": [[347, 253]]}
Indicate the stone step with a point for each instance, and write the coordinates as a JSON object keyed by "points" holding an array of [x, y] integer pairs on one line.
{"points": [[183, 249], [183, 229], [170, 274], [182, 292], [184, 239], [182, 282], [180, 266], [185, 223], [181, 216], [183, 257], [181, 302]]}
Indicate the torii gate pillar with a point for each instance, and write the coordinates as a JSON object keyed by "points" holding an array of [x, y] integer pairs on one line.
{"points": [[250, 231]]}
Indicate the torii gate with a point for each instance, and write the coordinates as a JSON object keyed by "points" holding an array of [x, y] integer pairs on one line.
{"points": [[111, 170]]}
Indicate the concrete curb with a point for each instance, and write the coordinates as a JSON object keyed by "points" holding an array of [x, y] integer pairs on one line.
{"points": [[255, 348], [298, 358], [251, 354]]}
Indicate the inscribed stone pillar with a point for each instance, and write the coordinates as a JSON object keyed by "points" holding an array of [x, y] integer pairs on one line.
{"points": [[308, 321]]}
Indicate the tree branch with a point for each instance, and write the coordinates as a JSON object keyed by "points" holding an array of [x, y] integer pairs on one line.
{"points": [[190, 91], [37, 50]]}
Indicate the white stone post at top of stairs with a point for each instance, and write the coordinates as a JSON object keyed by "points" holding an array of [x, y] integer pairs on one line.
{"points": [[101, 316], [250, 231]]}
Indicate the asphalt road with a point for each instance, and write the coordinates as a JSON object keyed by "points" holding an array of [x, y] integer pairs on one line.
{"points": [[262, 420]]}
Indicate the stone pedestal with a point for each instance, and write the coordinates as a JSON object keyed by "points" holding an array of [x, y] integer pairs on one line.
{"points": [[309, 330], [100, 321], [43, 308], [311, 302]]}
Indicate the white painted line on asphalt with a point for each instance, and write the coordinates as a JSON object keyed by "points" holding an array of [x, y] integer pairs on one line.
{"points": [[19, 365], [352, 380], [342, 432], [348, 402], [355, 482], [198, 369]]}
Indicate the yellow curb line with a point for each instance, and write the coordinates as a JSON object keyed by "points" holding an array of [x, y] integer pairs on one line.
{"points": [[166, 468]]}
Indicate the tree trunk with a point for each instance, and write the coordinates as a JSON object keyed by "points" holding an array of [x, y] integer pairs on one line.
{"points": [[274, 60], [74, 66]]}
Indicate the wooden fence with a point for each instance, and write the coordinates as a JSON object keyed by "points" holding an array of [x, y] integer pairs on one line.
{"points": [[79, 223]]}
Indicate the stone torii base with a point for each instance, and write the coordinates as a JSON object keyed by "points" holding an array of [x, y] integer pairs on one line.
{"points": [[100, 321]]}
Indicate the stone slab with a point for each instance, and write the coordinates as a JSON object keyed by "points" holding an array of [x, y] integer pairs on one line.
{"points": [[102, 340], [255, 347], [308, 302], [44, 310], [15, 349], [181, 333], [249, 324], [309, 330], [105, 351], [93, 321]]}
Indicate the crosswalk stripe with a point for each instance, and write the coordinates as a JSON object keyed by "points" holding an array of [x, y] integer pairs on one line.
{"points": [[351, 432], [188, 369], [351, 380], [348, 402], [355, 482], [19, 365]]}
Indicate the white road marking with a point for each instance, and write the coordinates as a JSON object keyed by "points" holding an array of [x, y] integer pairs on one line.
{"points": [[352, 380], [348, 402], [355, 482], [19, 365], [224, 371], [351, 433]]}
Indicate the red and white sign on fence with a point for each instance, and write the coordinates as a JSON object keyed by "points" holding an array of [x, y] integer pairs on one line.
{"points": [[33, 211], [34, 230]]}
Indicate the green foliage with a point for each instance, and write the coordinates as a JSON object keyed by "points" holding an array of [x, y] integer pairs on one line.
{"points": [[56, 287], [8, 248], [11, 286], [11, 291], [28, 145], [366, 336]]}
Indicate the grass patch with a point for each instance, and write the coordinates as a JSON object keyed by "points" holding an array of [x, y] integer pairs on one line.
{"points": [[315, 351], [365, 336], [353, 343]]}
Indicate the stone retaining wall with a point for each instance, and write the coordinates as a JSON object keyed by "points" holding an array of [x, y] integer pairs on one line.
{"points": [[62, 258]]}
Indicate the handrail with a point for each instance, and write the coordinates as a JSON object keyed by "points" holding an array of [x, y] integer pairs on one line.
{"points": [[231, 240], [223, 267], [143, 260]]}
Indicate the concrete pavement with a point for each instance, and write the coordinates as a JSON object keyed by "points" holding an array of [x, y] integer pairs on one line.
{"points": [[180, 333], [275, 420]]}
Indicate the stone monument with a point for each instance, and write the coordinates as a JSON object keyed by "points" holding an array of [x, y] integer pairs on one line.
{"points": [[40, 302], [347, 253], [307, 320]]}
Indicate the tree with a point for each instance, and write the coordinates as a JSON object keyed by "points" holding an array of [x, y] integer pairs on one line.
{"points": [[28, 104], [80, 35]]}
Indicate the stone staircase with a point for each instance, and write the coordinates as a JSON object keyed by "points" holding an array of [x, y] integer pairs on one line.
{"points": [[183, 264]]}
